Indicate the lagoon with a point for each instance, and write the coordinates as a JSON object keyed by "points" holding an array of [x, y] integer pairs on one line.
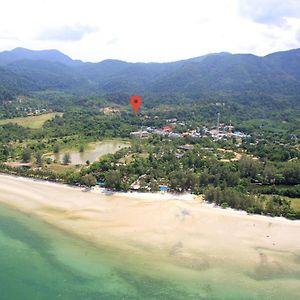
{"points": [[93, 152]]}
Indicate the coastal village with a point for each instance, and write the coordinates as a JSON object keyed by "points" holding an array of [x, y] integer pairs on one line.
{"points": [[218, 132], [221, 131], [172, 129]]}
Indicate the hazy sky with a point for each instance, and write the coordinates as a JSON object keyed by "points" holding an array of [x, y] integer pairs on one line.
{"points": [[150, 30]]}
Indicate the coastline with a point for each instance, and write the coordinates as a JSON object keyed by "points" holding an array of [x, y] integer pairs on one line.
{"points": [[149, 196], [178, 233], [154, 196]]}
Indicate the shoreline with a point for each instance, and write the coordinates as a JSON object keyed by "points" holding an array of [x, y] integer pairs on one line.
{"points": [[154, 196], [180, 230], [106, 191]]}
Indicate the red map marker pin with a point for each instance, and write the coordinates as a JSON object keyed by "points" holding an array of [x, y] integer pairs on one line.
{"points": [[135, 102]]}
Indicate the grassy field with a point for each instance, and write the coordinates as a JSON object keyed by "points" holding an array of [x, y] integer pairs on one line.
{"points": [[58, 168], [295, 203], [33, 122]]}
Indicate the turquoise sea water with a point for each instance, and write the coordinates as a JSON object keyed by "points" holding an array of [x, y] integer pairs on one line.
{"points": [[38, 261]]}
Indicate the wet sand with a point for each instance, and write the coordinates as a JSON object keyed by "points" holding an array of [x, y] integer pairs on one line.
{"points": [[180, 229]]}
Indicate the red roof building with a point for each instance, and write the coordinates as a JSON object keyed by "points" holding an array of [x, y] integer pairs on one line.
{"points": [[168, 128]]}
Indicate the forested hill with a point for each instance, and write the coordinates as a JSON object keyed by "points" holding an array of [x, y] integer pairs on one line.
{"points": [[276, 75]]}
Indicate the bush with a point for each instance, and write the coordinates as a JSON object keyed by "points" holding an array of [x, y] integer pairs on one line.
{"points": [[224, 205], [88, 180], [26, 155], [66, 159], [277, 206]]}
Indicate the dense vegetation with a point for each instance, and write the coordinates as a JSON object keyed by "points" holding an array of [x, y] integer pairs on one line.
{"points": [[264, 179], [272, 77], [158, 161]]}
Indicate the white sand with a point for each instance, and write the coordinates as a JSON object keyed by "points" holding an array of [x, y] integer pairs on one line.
{"points": [[177, 226]]}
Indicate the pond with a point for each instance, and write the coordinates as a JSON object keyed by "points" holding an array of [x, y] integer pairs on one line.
{"points": [[93, 153]]}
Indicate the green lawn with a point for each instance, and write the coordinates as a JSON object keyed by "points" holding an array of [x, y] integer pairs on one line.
{"points": [[33, 122]]}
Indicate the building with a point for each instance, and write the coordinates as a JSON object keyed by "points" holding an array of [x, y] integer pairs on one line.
{"points": [[173, 120], [163, 188], [241, 135], [215, 133], [168, 128], [186, 147], [209, 149], [139, 134], [160, 132], [175, 135], [110, 110], [135, 186]]}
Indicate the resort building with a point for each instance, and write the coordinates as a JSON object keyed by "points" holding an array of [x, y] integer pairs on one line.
{"points": [[139, 134]]}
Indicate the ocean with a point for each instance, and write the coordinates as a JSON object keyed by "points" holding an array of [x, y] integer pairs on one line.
{"points": [[38, 261]]}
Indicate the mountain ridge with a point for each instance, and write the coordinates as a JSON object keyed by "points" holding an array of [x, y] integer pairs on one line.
{"points": [[276, 74]]}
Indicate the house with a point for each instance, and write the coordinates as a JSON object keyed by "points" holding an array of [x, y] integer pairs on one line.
{"points": [[139, 134], [186, 147], [110, 110], [135, 186], [214, 133], [163, 188], [185, 134], [196, 135], [173, 120], [209, 149], [168, 128], [229, 128], [239, 134], [160, 132], [175, 135]]}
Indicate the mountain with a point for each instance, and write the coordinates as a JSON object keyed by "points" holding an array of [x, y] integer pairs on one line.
{"points": [[275, 75], [46, 74], [12, 84], [287, 61], [230, 73], [17, 54]]}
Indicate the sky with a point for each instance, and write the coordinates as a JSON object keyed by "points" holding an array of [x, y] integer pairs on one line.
{"points": [[150, 30]]}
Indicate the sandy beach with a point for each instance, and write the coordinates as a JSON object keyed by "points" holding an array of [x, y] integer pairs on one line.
{"points": [[178, 228]]}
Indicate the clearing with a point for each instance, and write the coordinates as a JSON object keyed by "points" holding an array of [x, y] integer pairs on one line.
{"points": [[33, 122]]}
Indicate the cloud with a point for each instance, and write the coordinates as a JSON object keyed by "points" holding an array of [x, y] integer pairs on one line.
{"points": [[130, 33], [113, 41], [297, 35], [274, 12], [66, 33], [7, 36]]}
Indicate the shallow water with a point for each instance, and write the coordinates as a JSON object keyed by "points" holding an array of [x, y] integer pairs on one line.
{"points": [[40, 262], [98, 150]]}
